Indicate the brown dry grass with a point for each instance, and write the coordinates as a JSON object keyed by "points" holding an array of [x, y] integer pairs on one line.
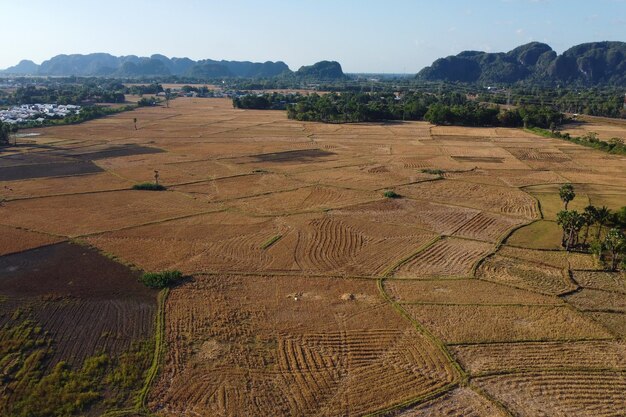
{"points": [[483, 197], [446, 257], [466, 291], [247, 346], [462, 402], [557, 259], [13, 240], [608, 281], [560, 394], [479, 324], [74, 215], [513, 357], [243, 345], [598, 300], [535, 277]]}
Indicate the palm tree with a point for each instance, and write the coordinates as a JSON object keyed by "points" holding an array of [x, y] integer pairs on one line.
{"points": [[135, 122], [590, 217], [571, 222], [603, 215], [567, 194]]}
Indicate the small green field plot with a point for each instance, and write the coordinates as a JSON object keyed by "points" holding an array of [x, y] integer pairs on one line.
{"points": [[541, 234], [550, 202]]}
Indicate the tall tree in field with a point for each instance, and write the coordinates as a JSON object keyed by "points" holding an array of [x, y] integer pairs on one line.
{"points": [[567, 194], [571, 222], [168, 94], [603, 215], [5, 132], [615, 243], [135, 122], [589, 216]]}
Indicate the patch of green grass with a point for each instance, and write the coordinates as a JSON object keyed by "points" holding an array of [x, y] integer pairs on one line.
{"points": [[391, 194], [538, 235], [269, 242], [149, 186], [161, 279]]}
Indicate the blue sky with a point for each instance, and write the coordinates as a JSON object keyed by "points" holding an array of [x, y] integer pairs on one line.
{"points": [[364, 36]]}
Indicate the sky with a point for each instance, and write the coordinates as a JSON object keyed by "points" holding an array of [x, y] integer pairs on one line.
{"points": [[376, 36]]}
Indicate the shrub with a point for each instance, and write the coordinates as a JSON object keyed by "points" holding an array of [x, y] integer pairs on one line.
{"points": [[434, 171], [161, 279], [149, 186], [391, 194]]}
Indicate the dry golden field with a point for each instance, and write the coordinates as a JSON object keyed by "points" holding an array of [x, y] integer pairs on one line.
{"points": [[311, 294]]}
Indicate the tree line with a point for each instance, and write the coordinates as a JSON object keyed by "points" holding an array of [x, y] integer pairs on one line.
{"points": [[445, 109]]}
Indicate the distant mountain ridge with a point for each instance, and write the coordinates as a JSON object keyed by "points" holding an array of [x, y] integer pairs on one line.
{"points": [[588, 63], [103, 64]]}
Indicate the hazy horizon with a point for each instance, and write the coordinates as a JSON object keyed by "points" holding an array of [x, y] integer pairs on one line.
{"points": [[364, 36]]}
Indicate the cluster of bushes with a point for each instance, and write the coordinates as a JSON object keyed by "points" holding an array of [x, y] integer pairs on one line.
{"points": [[162, 279], [577, 233], [149, 186]]}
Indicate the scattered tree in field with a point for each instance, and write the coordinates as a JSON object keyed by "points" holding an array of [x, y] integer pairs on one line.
{"points": [[603, 215], [168, 95], [162, 279], [156, 177], [135, 122], [615, 243], [567, 194], [5, 133], [571, 222], [589, 215]]}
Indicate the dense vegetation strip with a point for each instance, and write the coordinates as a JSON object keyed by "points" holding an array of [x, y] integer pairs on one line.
{"points": [[590, 140], [445, 109]]}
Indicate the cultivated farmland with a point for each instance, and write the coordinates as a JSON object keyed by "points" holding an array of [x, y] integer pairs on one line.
{"points": [[310, 289]]}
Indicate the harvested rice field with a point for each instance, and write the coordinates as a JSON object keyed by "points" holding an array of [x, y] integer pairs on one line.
{"points": [[306, 290]]}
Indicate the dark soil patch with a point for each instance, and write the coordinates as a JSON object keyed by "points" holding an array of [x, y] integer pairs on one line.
{"points": [[304, 155], [484, 159], [86, 302], [114, 152], [66, 269], [30, 158], [61, 162], [55, 169]]}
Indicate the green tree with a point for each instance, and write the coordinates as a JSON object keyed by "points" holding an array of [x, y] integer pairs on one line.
{"points": [[571, 222], [615, 243], [5, 133], [603, 215], [589, 216], [567, 194]]}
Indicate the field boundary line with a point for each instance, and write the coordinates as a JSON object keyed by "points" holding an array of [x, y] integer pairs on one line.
{"points": [[423, 330], [415, 401], [522, 341], [159, 346], [491, 399], [498, 244], [169, 219], [567, 369], [428, 303], [387, 271], [140, 403]]}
